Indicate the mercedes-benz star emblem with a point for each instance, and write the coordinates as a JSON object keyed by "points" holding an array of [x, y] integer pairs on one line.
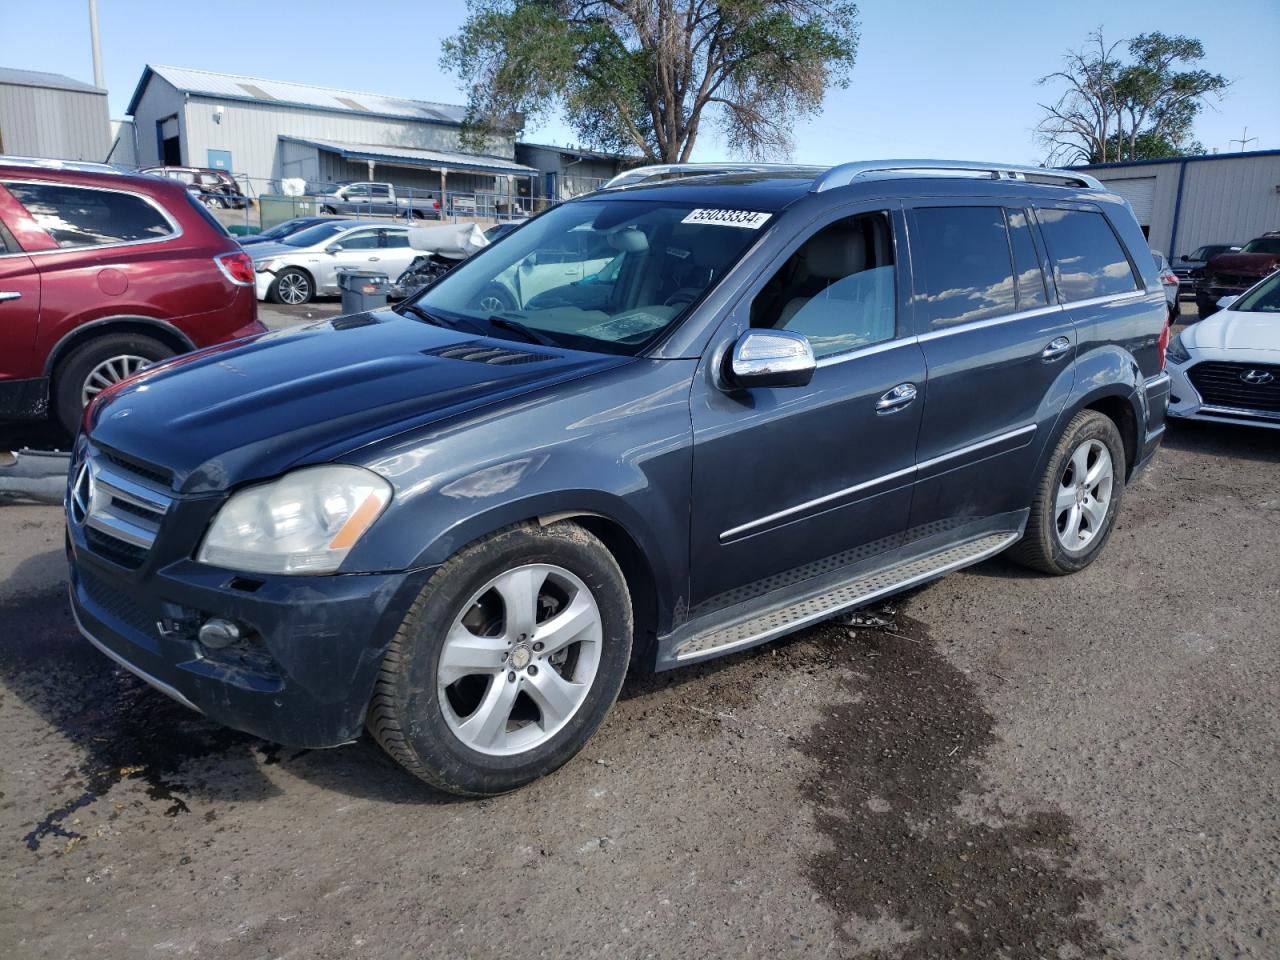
{"points": [[1257, 377], [82, 494]]}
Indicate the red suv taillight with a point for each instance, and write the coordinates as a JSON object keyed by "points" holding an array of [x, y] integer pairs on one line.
{"points": [[1163, 344], [237, 267]]}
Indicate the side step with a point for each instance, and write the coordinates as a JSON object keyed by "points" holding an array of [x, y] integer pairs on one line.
{"points": [[775, 623]]}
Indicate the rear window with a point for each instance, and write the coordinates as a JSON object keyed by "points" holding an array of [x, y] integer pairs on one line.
{"points": [[1088, 260], [85, 217], [961, 259]]}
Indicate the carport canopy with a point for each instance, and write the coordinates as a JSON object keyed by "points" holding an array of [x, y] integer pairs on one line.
{"points": [[438, 160]]}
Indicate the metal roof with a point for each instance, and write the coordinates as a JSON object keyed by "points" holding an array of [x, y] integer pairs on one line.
{"points": [[1197, 158], [51, 81], [414, 157], [230, 86]]}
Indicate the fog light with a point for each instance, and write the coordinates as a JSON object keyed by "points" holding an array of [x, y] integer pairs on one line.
{"points": [[218, 633]]}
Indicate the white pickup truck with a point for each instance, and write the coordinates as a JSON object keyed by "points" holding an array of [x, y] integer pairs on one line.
{"points": [[365, 198]]}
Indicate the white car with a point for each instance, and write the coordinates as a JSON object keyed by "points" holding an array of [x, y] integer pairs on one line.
{"points": [[306, 264], [1227, 368]]}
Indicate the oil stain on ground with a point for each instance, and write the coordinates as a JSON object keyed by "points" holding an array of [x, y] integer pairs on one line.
{"points": [[912, 870]]}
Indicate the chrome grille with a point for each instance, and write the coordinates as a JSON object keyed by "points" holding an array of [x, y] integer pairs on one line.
{"points": [[1248, 386], [120, 508]]}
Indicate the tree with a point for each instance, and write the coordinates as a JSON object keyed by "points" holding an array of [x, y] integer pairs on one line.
{"points": [[645, 75], [1142, 108]]}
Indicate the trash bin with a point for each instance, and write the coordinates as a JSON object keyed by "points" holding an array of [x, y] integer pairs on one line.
{"points": [[363, 290]]}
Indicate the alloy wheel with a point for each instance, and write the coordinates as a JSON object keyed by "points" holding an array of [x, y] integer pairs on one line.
{"points": [[1084, 495], [520, 659], [294, 288], [109, 372]]}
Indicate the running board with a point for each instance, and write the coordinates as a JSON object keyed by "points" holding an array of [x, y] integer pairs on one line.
{"points": [[864, 589]]}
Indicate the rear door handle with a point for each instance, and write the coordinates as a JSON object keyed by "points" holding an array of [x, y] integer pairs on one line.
{"points": [[9, 295], [1057, 347], [897, 398]]}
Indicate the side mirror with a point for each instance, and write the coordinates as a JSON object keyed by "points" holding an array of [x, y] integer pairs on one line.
{"points": [[771, 358], [1224, 302], [334, 248], [1184, 258]]}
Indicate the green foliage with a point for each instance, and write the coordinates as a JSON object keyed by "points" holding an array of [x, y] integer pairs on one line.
{"points": [[641, 75], [1115, 109]]}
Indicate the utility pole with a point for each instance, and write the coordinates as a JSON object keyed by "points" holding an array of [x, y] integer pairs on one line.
{"points": [[97, 47], [1244, 140]]}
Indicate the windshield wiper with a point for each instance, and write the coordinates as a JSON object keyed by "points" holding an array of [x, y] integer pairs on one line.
{"points": [[438, 321], [530, 334]]}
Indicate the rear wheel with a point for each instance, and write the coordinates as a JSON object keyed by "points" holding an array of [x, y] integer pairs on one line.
{"points": [[100, 363], [507, 662], [1077, 499], [291, 286]]}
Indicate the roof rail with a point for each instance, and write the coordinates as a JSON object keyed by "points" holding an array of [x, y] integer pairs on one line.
{"points": [[83, 166], [847, 173], [658, 171]]}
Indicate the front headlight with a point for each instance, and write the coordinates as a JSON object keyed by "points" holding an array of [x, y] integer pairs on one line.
{"points": [[305, 522], [1177, 352], [273, 265]]}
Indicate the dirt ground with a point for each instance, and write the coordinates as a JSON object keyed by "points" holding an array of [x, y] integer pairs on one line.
{"points": [[1000, 764]]}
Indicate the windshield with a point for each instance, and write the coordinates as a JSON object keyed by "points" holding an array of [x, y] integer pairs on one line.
{"points": [[1262, 245], [1209, 252], [317, 234], [607, 275], [1265, 299]]}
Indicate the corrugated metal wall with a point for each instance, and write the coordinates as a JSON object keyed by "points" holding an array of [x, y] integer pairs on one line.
{"points": [[161, 101], [1227, 199], [61, 124]]}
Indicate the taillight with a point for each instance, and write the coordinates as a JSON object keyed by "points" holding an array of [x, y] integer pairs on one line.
{"points": [[1163, 343], [1170, 278], [236, 267]]}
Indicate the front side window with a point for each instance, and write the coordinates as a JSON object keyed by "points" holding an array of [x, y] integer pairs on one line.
{"points": [[1264, 299], [960, 256], [357, 191], [838, 289], [84, 217], [1088, 260], [608, 275]]}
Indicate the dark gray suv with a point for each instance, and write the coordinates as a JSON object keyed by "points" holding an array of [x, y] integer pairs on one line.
{"points": [[710, 406]]}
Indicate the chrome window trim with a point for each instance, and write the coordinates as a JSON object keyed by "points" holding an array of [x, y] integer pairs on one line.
{"points": [[974, 447], [872, 348], [990, 322], [1110, 297], [174, 226], [827, 498]]}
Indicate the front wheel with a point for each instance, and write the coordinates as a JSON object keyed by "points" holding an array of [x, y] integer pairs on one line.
{"points": [[291, 286], [507, 662], [1076, 502]]}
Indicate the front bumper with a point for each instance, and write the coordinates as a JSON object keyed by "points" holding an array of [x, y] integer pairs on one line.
{"points": [[305, 672], [262, 281]]}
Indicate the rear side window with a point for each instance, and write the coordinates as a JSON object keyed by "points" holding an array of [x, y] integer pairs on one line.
{"points": [[208, 217], [961, 260], [395, 238], [85, 217], [1088, 260]]}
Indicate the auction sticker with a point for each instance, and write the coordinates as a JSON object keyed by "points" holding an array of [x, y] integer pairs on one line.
{"points": [[728, 218]]}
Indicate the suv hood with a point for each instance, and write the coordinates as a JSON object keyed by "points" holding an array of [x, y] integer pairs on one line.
{"points": [[1235, 330], [1247, 264], [257, 407]]}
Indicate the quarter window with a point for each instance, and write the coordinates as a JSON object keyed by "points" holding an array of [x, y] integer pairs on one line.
{"points": [[838, 289], [960, 256], [1088, 260], [83, 217]]}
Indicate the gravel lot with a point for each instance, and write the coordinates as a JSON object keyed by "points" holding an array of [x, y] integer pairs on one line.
{"points": [[998, 765]]}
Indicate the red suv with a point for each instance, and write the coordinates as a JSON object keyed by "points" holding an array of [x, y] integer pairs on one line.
{"points": [[101, 274]]}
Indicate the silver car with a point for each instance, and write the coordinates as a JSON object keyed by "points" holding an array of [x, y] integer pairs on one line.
{"points": [[306, 264]]}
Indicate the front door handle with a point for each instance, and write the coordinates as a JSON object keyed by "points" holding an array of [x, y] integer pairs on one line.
{"points": [[6, 295], [897, 398], [1058, 347], [374, 259]]}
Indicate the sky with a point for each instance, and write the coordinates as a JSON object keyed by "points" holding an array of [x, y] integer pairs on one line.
{"points": [[941, 79]]}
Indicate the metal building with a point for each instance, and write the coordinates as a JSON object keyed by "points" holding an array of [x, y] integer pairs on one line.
{"points": [[1185, 202], [269, 130], [49, 115], [566, 172]]}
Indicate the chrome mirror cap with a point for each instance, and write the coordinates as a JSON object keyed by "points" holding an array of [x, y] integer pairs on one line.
{"points": [[771, 358]]}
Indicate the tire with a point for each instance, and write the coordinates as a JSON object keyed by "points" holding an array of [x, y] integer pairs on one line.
{"points": [[292, 287], [494, 299], [428, 709], [1046, 546], [103, 360]]}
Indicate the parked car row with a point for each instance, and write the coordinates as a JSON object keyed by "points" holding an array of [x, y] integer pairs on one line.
{"points": [[216, 189], [1230, 274]]}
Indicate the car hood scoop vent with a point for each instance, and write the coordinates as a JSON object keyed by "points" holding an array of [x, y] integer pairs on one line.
{"points": [[483, 353]]}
